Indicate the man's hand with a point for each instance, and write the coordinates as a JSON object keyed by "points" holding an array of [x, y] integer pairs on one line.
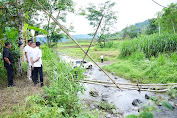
{"points": [[27, 61], [32, 65]]}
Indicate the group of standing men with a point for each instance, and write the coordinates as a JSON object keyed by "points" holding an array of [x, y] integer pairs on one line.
{"points": [[33, 56]]}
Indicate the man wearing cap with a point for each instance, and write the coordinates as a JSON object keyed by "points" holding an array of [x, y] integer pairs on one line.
{"points": [[8, 63], [36, 62], [27, 50]]}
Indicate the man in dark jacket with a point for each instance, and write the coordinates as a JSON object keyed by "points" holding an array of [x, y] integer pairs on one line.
{"points": [[8, 63]]}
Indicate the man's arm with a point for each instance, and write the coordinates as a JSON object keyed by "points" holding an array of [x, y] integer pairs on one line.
{"points": [[39, 56], [37, 59], [26, 57], [31, 59], [7, 60]]}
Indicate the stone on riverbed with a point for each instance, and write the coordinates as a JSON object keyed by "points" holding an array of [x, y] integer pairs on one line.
{"points": [[105, 97], [115, 77], [136, 102], [146, 96], [93, 93]]}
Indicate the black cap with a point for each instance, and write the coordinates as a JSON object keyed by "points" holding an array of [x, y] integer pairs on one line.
{"points": [[20, 43]]}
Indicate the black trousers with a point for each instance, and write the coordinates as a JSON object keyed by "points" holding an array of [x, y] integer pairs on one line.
{"points": [[10, 74], [38, 70], [32, 73], [101, 60]]}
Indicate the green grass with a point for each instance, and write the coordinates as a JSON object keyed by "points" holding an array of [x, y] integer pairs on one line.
{"points": [[71, 49], [162, 69]]}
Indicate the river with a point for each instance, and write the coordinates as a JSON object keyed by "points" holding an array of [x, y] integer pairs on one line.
{"points": [[121, 98]]}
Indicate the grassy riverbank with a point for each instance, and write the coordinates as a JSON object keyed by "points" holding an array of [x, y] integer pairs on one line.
{"points": [[149, 59], [57, 99]]}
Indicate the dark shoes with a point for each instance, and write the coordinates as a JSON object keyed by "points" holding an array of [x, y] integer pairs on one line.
{"points": [[42, 84], [13, 85]]}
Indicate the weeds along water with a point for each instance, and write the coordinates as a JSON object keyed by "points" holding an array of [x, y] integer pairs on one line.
{"points": [[60, 98]]}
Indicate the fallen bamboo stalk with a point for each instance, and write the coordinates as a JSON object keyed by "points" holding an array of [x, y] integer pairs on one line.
{"points": [[50, 15], [170, 84], [142, 87], [150, 90]]}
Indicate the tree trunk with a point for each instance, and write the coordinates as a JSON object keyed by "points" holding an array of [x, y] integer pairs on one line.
{"points": [[173, 25], [20, 34]]}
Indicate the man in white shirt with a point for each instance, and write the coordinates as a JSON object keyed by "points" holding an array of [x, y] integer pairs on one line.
{"points": [[36, 62], [33, 45], [27, 50]]}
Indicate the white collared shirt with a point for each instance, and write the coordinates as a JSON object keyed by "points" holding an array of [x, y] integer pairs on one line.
{"points": [[26, 50], [36, 52], [29, 52]]}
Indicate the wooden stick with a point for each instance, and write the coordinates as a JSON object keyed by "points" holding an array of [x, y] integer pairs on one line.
{"points": [[50, 15], [93, 37]]}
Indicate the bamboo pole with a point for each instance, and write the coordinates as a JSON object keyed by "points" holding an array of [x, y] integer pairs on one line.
{"points": [[170, 84], [50, 15], [126, 86], [93, 37], [129, 88]]}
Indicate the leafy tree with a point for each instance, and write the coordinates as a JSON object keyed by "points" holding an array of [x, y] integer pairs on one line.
{"points": [[168, 19], [131, 31], [95, 13], [152, 27], [61, 7]]}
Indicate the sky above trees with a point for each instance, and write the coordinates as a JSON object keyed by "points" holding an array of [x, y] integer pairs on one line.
{"points": [[129, 12]]}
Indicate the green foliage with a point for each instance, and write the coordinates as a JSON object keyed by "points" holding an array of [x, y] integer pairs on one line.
{"points": [[104, 105], [167, 19], [131, 116], [60, 98], [38, 30], [146, 115], [167, 105], [151, 45], [152, 27], [172, 92]]}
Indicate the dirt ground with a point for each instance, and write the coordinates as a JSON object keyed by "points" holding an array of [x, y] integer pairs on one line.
{"points": [[15, 96]]}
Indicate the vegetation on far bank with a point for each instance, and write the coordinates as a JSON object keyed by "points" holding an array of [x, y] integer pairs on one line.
{"points": [[149, 59]]}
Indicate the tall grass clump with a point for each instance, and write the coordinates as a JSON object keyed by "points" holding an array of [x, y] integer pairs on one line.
{"points": [[151, 45], [60, 97]]}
